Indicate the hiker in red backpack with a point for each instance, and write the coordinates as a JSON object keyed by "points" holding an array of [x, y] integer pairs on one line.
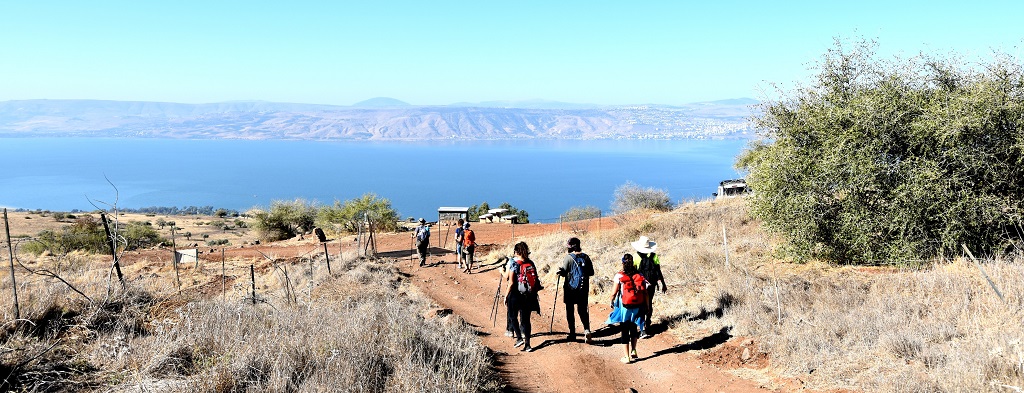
{"points": [[468, 246], [650, 266], [577, 269], [628, 305], [521, 298]]}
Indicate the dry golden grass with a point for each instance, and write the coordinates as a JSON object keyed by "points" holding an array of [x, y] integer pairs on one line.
{"points": [[934, 329], [26, 224], [352, 331]]}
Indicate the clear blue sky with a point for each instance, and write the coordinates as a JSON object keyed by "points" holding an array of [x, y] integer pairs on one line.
{"points": [[440, 52]]}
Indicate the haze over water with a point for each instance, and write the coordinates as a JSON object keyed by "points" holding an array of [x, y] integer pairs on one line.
{"points": [[545, 178]]}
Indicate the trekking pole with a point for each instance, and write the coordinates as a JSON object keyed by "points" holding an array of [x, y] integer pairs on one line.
{"points": [[551, 326], [494, 305]]}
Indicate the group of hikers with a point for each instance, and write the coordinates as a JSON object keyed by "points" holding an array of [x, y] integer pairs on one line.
{"points": [[465, 243], [631, 302]]}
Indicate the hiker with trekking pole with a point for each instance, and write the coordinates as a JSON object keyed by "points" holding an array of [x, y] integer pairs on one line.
{"points": [[521, 295], [422, 236], [577, 268]]}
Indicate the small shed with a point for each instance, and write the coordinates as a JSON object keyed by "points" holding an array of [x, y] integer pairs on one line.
{"points": [[511, 218], [451, 213], [732, 188]]}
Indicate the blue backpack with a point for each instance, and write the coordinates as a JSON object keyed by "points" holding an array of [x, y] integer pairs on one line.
{"points": [[575, 276]]}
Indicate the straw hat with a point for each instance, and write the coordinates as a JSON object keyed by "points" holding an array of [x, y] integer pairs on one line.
{"points": [[644, 245]]}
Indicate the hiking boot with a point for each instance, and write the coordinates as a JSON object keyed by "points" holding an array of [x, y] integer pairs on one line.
{"points": [[519, 342], [644, 335], [632, 355], [588, 337], [527, 349]]}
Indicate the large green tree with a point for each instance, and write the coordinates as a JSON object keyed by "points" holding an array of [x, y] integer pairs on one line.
{"points": [[892, 160]]}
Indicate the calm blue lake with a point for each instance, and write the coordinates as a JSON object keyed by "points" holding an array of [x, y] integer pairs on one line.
{"points": [[545, 178]]}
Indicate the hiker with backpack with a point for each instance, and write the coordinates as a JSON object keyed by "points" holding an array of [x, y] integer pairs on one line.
{"points": [[650, 266], [521, 298], [577, 269], [468, 246], [422, 236], [629, 304], [459, 232]]}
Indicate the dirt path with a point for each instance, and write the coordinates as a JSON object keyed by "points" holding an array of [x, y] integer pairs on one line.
{"points": [[665, 365], [557, 365]]}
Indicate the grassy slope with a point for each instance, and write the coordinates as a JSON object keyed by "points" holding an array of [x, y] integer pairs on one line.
{"points": [[939, 328]]}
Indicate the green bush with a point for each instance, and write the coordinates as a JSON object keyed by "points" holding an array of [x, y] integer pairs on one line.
{"points": [[284, 219], [630, 197], [348, 216], [889, 161], [87, 234]]}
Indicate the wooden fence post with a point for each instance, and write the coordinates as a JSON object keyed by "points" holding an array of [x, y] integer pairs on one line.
{"points": [[252, 275], [983, 274], [10, 253], [725, 239], [327, 256], [223, 278], [174, 260], [113, 249]]}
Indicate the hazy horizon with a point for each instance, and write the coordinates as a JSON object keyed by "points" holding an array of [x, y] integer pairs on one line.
{"points": [[427, 54]]}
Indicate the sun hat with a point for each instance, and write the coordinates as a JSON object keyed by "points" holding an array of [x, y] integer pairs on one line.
{"points": [[466, 225], [644, 245], [422, 220]]}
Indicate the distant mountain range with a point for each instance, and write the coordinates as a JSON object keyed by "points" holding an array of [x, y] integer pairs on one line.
{"points": [[379, 118]]}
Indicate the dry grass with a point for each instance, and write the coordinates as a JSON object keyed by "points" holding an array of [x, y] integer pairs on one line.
{"points": [[934, 329], [349, 332]]}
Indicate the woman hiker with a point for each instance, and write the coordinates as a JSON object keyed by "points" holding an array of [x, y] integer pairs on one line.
{"points": [[468, 247], [521, 297], [628, 305], [577, 269], [650, 267]]}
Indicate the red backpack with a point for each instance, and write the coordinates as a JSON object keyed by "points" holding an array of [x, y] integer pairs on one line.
{"points": [[633, 291], [528, 281]]}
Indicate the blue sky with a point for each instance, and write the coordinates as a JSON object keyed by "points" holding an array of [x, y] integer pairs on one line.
{"points": [[440, 52]]}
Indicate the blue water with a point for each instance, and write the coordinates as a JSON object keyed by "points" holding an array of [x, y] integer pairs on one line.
{"points": [[545, 178]]}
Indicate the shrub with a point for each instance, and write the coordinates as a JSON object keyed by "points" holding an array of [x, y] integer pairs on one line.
{"points": [[578, 218], [630, 196], [884, 161], [348, 216], [284, 219]]}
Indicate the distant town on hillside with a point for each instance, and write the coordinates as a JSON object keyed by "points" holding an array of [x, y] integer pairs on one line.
{"points": [[375, 119]]}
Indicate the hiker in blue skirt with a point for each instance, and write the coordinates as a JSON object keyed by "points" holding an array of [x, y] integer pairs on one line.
{"points": [[629, 305]]}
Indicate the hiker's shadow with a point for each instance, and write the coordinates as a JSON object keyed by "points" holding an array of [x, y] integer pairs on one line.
{"points": [[711, 341], [724, 302], [603, 337]]}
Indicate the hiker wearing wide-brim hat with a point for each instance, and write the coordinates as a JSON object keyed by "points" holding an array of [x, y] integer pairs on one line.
{"points": [[649, 266], [422, 236]]}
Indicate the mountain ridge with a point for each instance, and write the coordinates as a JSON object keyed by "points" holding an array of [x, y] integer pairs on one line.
{"points": [[379, 118]]}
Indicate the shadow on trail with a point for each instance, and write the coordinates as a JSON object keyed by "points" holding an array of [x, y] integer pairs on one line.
{"points": [[714, 340], [724, 302], [431, 251]]}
